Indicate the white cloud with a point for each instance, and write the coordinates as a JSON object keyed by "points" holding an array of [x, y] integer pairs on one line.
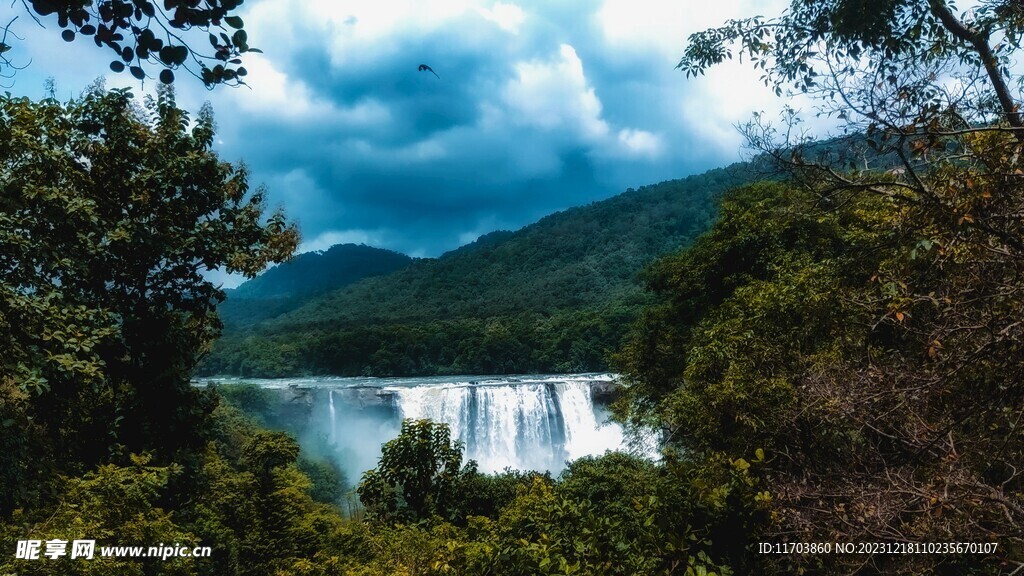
{"points": [[641, 142], [325, 240], [665, 25], [223, 279], [355, 32], [713, 104], [729, 95], [645, 24], [555, 95], [418, 152], [276, 94], [508, 17], [273, 92]]}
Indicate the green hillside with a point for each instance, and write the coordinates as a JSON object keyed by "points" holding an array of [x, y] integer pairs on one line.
{"points": [[554, 296], [288, 286]]}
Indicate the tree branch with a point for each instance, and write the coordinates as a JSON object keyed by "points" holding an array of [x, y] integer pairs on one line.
{"points": [[979, 40]]}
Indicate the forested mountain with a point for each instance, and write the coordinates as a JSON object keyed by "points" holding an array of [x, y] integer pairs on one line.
{"points": [[289, 285], [553, 296], [316, 272]]}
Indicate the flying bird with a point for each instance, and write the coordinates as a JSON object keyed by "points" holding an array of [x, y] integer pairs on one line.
{"points": [[424, 67]]}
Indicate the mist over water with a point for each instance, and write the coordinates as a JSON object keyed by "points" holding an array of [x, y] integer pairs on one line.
{"points": [[519, 422]]}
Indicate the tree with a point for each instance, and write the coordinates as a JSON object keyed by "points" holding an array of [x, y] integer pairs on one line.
{"points": [[916, 77], [420, 474], [145, 33], [112, 502], [863, 329], [913, 75], [850, 50], [110, 214]]}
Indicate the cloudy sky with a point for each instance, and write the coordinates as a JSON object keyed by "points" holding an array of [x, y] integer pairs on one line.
{"points": [[540, 106]]}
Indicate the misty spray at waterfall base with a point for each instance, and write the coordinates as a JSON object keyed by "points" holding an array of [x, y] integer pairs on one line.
{"points": [[522, 422]]}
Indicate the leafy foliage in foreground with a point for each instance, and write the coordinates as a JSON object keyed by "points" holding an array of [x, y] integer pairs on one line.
{"points": [[868, 336], [615, 514], [868, 351], [109, 214], [144, 33], [248, 500]]}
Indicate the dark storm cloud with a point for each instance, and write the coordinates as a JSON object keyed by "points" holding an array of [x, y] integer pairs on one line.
{"points": [[451, 157], [538, 107]]}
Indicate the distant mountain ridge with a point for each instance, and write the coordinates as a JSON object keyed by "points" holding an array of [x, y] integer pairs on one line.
{"points": [[579, 257], [320, 271], [289, 285], [554, 296]]}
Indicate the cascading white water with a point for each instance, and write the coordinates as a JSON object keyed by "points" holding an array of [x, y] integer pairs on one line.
{"points": [[584, 435], [523, 422], [526, 426], [334, 417]]}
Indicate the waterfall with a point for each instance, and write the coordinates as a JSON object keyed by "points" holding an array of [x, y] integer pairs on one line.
{"points": [[584, 435], [536, 425], [334, 417], [524, 422]]}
